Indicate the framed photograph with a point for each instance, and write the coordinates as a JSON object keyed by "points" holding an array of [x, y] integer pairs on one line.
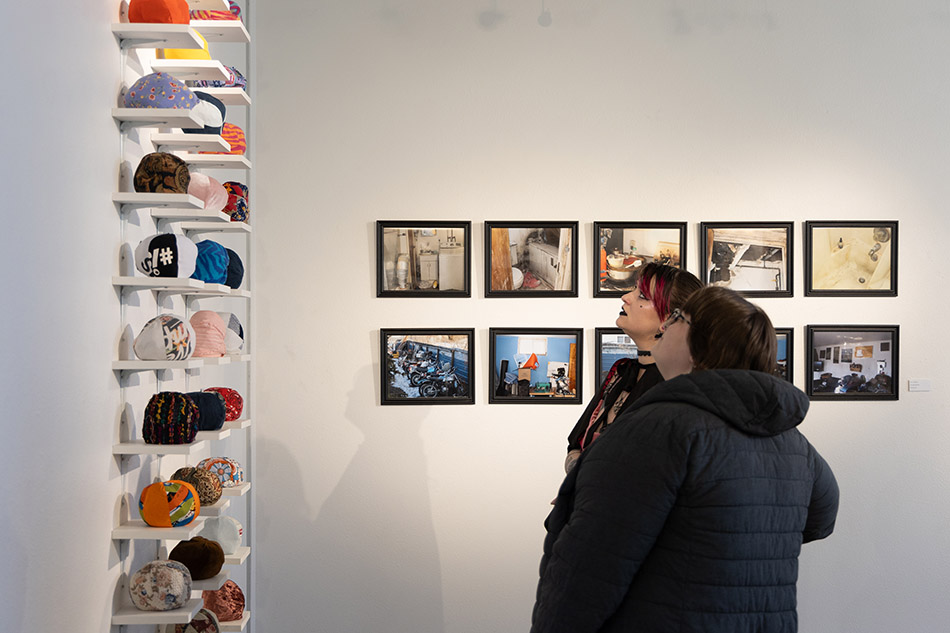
{"points": [[837, 354], [423, 259], [857, 259], [426, 366], [753, 258], [536, 365], [622, 248], [611, 344], [842, 377], [784, 338], [531, 259]]}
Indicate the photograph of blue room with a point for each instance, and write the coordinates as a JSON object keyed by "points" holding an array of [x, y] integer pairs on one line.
{"points": [[549, 372]]}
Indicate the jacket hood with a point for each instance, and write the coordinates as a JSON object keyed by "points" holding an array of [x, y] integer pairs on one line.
{"points": [[756, 403]]}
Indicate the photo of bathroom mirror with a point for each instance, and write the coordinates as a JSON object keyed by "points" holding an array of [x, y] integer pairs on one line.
{"points": [[611, 344], [621, 249], [531, 259], [752, 258], [837, 377], [423, 259], [427, 366], [783, 353], [857, 259], [539, 366]]}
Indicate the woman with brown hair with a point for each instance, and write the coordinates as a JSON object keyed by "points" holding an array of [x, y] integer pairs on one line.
{"points": [[660, 290], [689, 512]]}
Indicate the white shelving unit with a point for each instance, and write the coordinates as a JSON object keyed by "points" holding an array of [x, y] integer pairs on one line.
{"points": [[136, 529], [237, 491], [238, 557], [128, 615], [187, 69], [236, 625], [215, 161], [208, 5], [230, 96], [156, 36], [210, 584], [133, 200], [154, 117], [182, 142], [222, 31]]}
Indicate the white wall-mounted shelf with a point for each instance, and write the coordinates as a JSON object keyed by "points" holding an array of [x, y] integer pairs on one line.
{"points": [[156, 36], [229, 96], [236, 491], [140, 447], [217, 290], [132, 200], [178, 215], [136, 529], [187, 69], [182, 142], [239, 424], [209, 5], [157, 365], [216, 161], [222, 30], [210, 584], [235, 626], [238, 557], [176, 285], [155, 117], [217, 508], [216, 227], [128, 615]]}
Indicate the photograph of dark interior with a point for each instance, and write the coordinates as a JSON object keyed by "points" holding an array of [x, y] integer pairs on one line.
{"points": [[621, 250], [783, 353], [752, 260], [851, 259], [423, 260], [535, 366], [419, 368], [531, 259], [862, 362], [612, 345]]}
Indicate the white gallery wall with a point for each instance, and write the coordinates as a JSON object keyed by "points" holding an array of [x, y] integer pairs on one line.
{"points": [[404, 519]]}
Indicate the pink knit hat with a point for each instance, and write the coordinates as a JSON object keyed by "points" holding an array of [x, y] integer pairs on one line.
{"points": [[209, 332]]}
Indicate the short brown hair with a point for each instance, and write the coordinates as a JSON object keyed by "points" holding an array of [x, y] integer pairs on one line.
{"points": [[666, 287], [728, 332]]}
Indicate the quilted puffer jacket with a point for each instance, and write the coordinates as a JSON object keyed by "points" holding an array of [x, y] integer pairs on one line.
{"points": [[688, 514]]}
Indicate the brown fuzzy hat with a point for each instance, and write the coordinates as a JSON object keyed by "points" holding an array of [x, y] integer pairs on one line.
{"points": [[202, 557]]}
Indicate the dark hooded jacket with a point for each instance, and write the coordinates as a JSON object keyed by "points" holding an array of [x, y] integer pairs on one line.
{"points": [[688, 514]]}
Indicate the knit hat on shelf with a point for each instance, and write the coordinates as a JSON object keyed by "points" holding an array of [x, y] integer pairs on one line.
{"points": [[170, 417], [234, 336], [227, 602], [224, 530], [166, 255], [159, 11], [165, 337], [209, 330], [211, 407], [211, 265], [235, 270], [161, 172], [238, 201], [160, 585], [169, 504], [211, 111], [203, 558], [209, 191], [228, 470], [160, 90], [208, 486]]}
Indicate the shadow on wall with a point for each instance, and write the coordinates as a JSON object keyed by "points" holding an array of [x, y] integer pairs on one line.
{"points": [[369, 561]]}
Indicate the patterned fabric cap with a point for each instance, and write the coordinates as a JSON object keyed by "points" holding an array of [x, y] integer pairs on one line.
{"points": [[235, 80], [169, 504], [166, 337], [210, 191], [211, 406], [166, 255], [234, 337], [207, 486], [160, 172], [170, 417], [159, 90], [228, 470], [203, 558], [185, 53], [235, 136], [160, 585], [234, 13], [227, 602], [210, 330], [212, 264], [237, 206], [224, 530], [204, 622], [158, 11], [233, 402], [212, 113]]}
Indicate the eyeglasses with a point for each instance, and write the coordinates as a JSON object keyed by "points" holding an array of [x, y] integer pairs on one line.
{"points": [[675, 315]]}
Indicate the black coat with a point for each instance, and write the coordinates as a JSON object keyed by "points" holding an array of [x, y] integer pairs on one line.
{"points": [[688, 514]]}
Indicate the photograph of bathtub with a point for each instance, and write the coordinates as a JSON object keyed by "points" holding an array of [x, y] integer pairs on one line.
{"points": [[621, 249], [531, 259], [853, 258], [535, 365], [423, 259], [871, 375], [752, 258]]}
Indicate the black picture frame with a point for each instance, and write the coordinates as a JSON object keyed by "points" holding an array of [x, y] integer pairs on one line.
{"points": [[620, 248], [861, 262], [742, 256], [423, 258], [535, 385], [785, 367], [541, 259], [609, 347], [414, 361], [862, 376]]}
